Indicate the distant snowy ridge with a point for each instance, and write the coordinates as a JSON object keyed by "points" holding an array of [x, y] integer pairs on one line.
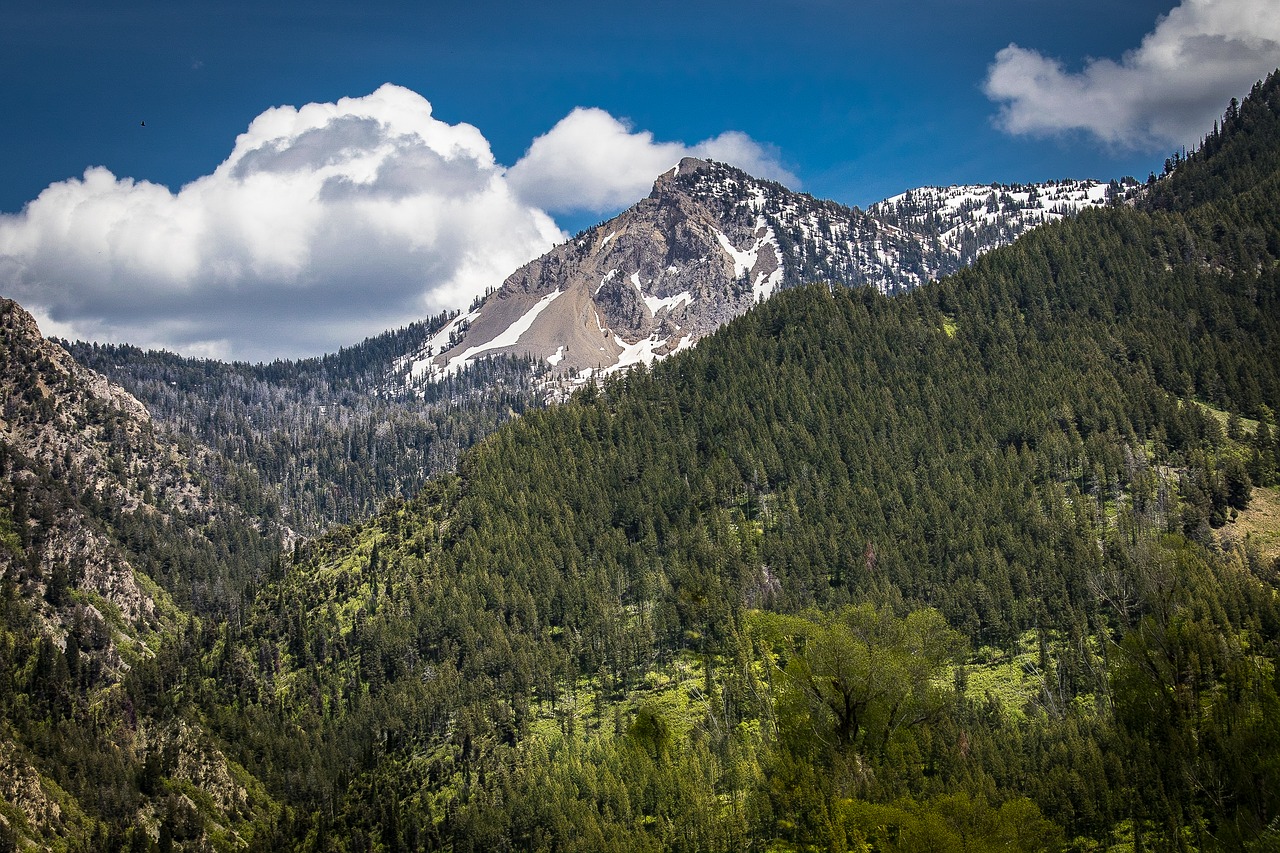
{"points": [[970, 220], [708, 243]]}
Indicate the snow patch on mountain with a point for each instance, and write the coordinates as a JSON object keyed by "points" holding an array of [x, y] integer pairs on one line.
{"points": [[418, 366], [510, 337], [764, 285], [645, 351], [670, 303], [743, 261], [608, 277]]}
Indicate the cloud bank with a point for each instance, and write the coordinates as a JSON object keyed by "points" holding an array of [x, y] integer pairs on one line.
{"points": [[1166, 92], [326, 224]]}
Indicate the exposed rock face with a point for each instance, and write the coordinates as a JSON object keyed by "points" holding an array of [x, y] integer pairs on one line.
{"points": [[707, 244], [91, 499], [41, 816], [63, 427], [651, 280], [189, 756], [21, 333], [76, 449]]}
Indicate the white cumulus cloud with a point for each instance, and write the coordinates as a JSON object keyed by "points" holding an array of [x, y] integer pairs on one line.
{"points": [[591, 161], [1165, 92], [325, 224]]}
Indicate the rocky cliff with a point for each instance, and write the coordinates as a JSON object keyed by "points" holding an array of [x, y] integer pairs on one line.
{"points": [[113, 545]]}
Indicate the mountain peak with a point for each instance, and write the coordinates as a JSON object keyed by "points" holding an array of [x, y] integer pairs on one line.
{"points": [[709, 242], [685, 171], [691, 164]]}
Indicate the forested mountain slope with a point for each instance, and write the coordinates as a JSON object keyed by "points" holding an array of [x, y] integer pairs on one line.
{"points": [[113, 544], [956, 567], [326, 441]]}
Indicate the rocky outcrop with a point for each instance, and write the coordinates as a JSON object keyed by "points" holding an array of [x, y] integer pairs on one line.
{"points": [[35, 814], [98, 511], [70, 437], [80, 459]]}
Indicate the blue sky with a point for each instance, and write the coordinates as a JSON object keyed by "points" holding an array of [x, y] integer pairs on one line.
{"points": [[852, 101]]}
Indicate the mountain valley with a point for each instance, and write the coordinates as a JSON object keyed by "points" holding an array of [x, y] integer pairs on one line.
{"points": [[955, 530], [330, 438]]}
